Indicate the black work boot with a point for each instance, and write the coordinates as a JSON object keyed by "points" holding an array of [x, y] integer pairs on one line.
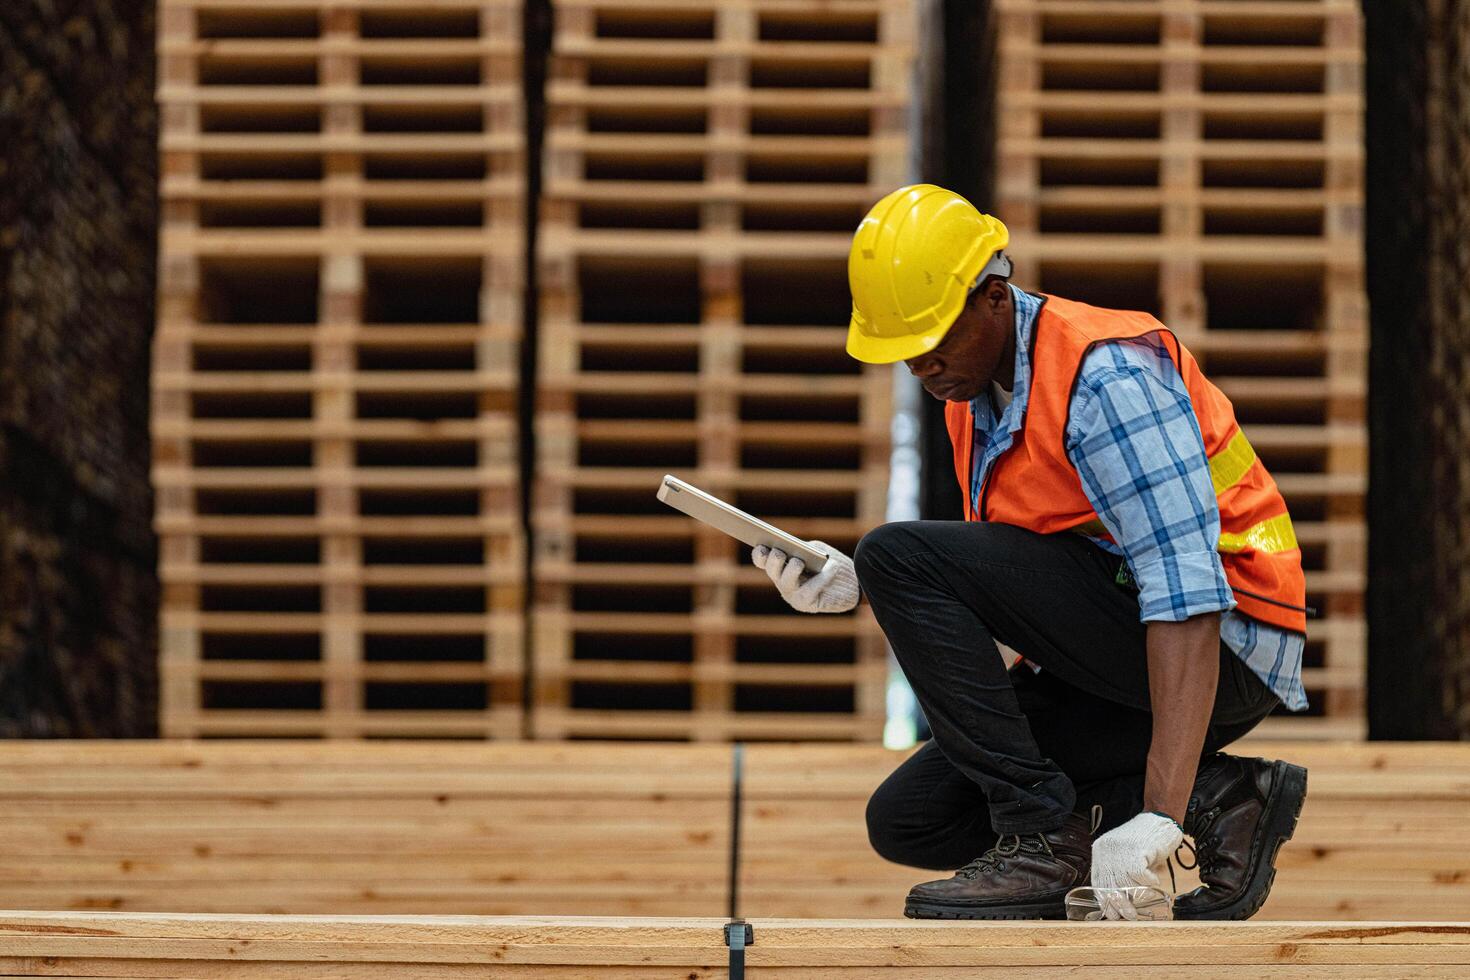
{"points": [[1240, 813], [1024, 876]]}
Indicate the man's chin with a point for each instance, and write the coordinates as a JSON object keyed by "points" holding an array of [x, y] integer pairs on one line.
{"points": [[956, 394]]}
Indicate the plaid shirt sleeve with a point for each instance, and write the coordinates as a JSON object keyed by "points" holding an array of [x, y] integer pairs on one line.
{"points": [[1136, 444]]}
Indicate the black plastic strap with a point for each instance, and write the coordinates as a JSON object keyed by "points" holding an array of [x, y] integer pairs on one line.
{"points": [[738, 935], [737, 774]]}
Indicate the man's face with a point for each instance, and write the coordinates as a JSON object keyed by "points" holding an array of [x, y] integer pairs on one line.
{"points": [[966, 361]]}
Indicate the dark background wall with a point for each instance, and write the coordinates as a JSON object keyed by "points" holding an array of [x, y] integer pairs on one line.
{"points": [[1418, 234], [957, 151], [78, 588]]}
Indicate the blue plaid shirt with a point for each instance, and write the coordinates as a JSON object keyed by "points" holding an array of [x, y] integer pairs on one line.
{"points": [[1136, 445]]}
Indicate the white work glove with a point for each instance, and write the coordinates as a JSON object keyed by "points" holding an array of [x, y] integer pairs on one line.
{"points": [[1135, 854], [832, 590]]}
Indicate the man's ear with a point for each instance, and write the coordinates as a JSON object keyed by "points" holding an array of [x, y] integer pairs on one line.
{"points": [[997, 295], [990, 297]]}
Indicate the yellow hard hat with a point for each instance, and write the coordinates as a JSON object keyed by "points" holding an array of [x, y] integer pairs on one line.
{"points": [[914, 260]]}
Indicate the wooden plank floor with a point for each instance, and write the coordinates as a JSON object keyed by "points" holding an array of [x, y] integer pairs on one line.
{"points": [[422, 828], [59, 944]]}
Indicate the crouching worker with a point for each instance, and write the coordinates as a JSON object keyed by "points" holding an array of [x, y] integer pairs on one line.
{"points": [[1122, 536]]}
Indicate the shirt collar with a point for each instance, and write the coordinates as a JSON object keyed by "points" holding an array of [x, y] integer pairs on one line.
{"points": [[1027, 308]]}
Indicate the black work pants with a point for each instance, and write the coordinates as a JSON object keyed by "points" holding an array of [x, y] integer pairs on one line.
{"points": [[1017, 751]]}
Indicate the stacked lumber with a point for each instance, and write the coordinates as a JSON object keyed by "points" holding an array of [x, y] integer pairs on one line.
{"points": [[1201, 159], [335, 368], [1370, 843], [606, 829], [386, 827], [706, 164], [99, 944]]}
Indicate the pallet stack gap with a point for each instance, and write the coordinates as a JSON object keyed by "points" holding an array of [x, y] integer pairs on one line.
{"points": [[705, 167], [1201, 159], [336, 368]]}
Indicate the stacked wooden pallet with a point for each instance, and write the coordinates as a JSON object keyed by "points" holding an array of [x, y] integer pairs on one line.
{"points": [[706, 164], [336, 366], [99, 944], [605, 829], [1201, 159]]}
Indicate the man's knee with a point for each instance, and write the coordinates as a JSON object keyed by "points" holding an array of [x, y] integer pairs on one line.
{"points": [[885, 827], [882, 550], [901, 831], [885, 549]]}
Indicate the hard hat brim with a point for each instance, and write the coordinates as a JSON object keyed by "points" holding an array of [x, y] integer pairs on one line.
{"points": [[891, 350]]}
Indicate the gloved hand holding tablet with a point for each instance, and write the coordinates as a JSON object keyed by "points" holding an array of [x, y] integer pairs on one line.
{"points": [[737, 523], [810, 575]]}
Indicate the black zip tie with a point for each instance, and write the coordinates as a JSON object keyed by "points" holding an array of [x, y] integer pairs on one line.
{"points": [[738, 935], [738, 932], [735, 781]]}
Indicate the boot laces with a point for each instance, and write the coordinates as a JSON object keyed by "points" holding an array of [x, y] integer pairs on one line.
{"points": [[1190, 865], [1204, 850], [1194, 856], [1009, 845]]}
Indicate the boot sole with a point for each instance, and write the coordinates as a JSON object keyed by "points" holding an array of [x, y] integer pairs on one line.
{"points": [[1278, 822], [1054, 909]]}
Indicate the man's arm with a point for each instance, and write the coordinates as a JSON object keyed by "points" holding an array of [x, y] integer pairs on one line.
{"points": [[1183, 670], [1137, 448], [1138, 452]]}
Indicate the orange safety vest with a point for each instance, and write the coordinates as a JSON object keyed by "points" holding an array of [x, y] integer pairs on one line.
{"points": [[1034, 485]]}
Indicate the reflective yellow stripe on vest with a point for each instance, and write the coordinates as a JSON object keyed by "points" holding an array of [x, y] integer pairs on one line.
{"points": [[1230, 464], [1270, 536], [1227, 467], [1275, 534]]}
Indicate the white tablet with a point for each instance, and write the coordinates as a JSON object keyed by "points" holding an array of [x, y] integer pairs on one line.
{"points": [[736, 522]]}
